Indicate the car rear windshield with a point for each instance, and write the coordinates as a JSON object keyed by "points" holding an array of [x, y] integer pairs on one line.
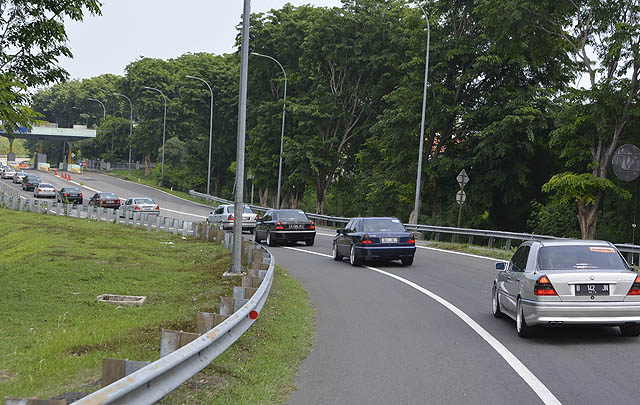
{"points": [[71, 190], [247, 209], [580, 257], [291, 216], [144, 201], [34, 178], [45, 185], [382, 225], [108, 195]]}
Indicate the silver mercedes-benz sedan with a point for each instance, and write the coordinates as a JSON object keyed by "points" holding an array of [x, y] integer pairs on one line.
{"points": [[562, 282]]}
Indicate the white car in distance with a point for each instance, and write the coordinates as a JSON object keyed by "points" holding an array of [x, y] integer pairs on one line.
{"points": [[44, 190], [223, 217], [143, 205]]}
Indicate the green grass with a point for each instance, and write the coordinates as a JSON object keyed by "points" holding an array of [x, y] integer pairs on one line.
{"points": [[499, 254], [54, 334], [137, 176]]}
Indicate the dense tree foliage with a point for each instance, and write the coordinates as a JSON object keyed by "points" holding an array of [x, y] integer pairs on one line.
{"points": [[504, 101], [32, 38]]}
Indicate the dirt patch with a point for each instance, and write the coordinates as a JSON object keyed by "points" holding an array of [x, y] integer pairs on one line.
{"points": [[5, 375]]}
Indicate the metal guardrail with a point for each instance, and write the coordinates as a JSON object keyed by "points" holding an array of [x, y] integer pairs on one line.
{"points": [[491, 235], [156, 380]]}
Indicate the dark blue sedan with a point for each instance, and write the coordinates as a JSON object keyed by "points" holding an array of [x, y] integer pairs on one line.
{"points": [[374, 238]]}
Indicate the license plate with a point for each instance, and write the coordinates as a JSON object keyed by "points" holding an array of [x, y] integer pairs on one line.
{"points": [[295, 226], [592, 289], [389, 240]]}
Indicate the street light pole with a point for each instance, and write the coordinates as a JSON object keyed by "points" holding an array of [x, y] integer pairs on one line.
{"points": [[104, 116], [130, 127], [284, 102], [164, 128], [236, 254], [210, 131], [424, 104]]}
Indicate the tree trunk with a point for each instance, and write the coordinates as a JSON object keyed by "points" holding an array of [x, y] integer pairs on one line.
{"points": [[264, 197], [588, 217], [147, 164], [322, 186]]}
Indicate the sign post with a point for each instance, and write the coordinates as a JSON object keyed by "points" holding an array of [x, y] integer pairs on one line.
{"points": [[461, 196]]}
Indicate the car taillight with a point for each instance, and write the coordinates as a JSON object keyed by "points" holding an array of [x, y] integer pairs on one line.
{"points": [[157, 207], [279, 225], [544, 287], [230, 217], [257, 217], [635, 288], [366, 240], [65, 195], [39, 190], [137, 208], [80, 194], [313, 225], [411, 240]]}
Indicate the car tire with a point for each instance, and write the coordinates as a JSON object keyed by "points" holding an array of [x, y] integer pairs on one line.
{"points": [[630, 330], [522, 328], [309, 242], [255, 237], [353, 259], [495, 303], [270, 240], [252, 230], [336, 256], [407, 261]]}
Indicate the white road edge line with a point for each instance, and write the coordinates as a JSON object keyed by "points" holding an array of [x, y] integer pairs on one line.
{"points": [[536, 385]]}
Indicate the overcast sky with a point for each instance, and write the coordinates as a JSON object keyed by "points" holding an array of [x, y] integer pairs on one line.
{"points": [[129, 29]]}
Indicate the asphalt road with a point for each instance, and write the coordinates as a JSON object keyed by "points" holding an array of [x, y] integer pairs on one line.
{"points": [[386, 336]]}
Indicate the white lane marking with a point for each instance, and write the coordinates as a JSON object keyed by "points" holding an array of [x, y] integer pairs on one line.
{"points": [[536, 385], [453, 252], [324, 234], [183, 213]]}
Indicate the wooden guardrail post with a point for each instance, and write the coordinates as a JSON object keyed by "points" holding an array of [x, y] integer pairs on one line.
{"points": [[172, 340], [115, 369]]}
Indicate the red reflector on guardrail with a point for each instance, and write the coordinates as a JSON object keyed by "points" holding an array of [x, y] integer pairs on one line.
{"points": [[253, 314]]}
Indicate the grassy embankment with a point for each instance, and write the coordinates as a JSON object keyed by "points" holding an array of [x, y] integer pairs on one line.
{"points": [[54, 334]]}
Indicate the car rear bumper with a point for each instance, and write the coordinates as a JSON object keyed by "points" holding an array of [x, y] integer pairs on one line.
{"points": [[602, 313], [386, 252], [52, 195], [246, 226], [293, 236]]}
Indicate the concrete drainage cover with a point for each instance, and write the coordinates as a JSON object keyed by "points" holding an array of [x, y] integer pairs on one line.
{"points": [[126, 300]]}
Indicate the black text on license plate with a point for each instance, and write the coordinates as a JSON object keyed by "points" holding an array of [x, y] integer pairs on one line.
{"points": [[592, 289], [389, 240], [295, 226]]}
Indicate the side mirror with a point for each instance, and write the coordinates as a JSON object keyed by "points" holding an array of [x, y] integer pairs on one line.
{"points": [[339, 231], [501, 266]]}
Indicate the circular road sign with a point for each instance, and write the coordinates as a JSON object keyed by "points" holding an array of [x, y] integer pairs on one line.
{"points": [[626, 162]]}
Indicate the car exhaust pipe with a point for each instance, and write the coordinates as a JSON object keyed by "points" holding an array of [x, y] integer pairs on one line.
{"points": [[556, 323]]}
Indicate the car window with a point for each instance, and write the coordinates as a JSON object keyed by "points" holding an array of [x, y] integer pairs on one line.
{"points": [[268, 216], [382, 225], [219, 210], [519, 260], [580, 257], [247, 209], [357, 225], [144, 201], [291, 215], [109, 195], [348, 226], [46, 185]]}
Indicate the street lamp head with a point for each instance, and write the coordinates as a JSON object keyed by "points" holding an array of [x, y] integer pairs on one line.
{"points": [[257, 54], [191, 77]]}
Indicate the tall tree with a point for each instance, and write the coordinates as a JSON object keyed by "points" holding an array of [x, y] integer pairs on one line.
{"points": [[603, 39], [32, 38]]}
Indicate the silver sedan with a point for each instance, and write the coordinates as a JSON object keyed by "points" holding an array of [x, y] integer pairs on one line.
{"points": [[142, 205], [44, 190], [562, 282]]}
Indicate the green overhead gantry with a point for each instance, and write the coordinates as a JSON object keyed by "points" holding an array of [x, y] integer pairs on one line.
{"points": [[48, 133]]}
